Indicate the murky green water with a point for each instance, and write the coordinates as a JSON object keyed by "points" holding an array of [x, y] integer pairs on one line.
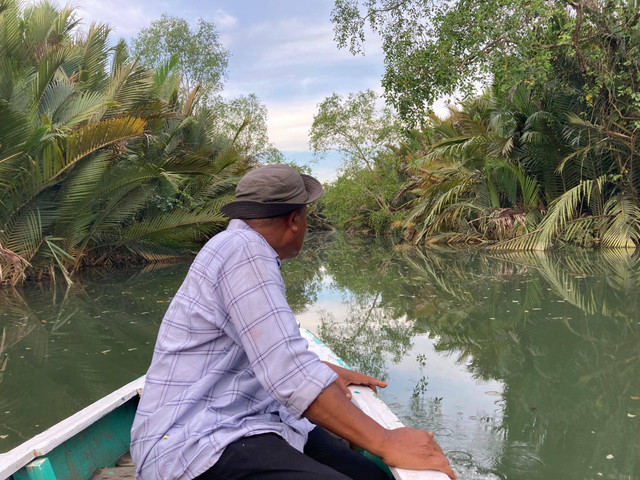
{"points": [[525, 366]]}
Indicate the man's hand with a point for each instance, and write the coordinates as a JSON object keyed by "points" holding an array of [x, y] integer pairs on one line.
{"points": [[348, 377], [414, 450], [402, 447]]}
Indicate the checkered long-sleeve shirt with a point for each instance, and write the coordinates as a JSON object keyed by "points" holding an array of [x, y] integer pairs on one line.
{"points": [[229, 362]]}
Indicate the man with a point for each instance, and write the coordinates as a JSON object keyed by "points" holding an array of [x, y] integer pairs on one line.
{"points": [[232, 389]]}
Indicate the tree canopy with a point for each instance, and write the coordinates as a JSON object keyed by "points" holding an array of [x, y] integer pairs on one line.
{"points": [[355, 126], [202, 60], [435, 48], [102, 161]]}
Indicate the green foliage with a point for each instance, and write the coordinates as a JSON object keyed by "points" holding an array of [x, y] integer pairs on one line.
{"points": [[99, 165], [363, 196], [447, 48], [353, 126], [243, 120], [438, 49], [201, 58], [363, 200]]}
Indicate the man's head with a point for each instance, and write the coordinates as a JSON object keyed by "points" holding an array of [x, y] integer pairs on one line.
{"points": [[271, 191], [273, 201]]}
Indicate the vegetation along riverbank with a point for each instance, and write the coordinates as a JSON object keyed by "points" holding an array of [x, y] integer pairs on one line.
{"points": [[113, 153]]}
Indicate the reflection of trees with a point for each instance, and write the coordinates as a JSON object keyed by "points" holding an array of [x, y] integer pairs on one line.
{"points": [[302, 275], [367, 336], [559, 329], [101, 332], [561, 332]]}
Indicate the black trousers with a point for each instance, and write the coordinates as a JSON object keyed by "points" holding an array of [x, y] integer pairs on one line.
{"points": [[268, 456]]}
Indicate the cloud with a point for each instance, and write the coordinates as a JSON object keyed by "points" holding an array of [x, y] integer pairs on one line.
{"points": [[125, 17], [223, 20], [289, 124], [291, 42]]}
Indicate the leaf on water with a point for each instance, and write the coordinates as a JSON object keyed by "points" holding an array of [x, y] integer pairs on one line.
{"points": [[631, 415], [132, 349], [635, 398], [3, 436], [609, 457], [105, 351], [493, 393]]}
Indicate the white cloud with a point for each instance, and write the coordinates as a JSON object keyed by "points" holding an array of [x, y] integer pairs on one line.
{"points": [[289, 124], [324, 174], [291, 42], [223, 20], [125, 17]]}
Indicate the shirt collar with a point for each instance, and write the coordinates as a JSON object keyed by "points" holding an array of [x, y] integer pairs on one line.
{"points": [[237, 224]]}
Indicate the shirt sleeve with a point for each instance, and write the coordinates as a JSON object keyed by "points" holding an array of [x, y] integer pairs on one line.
{"points": [[253, 291]]}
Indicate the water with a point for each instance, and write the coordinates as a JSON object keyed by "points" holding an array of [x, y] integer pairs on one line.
{"points": [[525, 366]]}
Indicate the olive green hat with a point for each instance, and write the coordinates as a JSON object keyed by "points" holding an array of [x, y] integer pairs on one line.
{"points": [[270, 191]]}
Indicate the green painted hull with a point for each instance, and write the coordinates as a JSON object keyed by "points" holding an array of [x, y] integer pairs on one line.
{"points": [[99, 445]]}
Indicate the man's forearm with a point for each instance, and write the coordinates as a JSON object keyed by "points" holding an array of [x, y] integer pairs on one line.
{"points": [[335, 412], [403, 447]]}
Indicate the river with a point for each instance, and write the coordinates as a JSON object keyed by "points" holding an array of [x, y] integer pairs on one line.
{"points": [[526, 366]]}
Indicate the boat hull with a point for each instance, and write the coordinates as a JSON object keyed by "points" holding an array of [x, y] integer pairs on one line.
{"points": [[97, 436]]}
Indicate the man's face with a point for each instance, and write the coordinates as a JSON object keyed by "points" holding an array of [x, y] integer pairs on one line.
{"points": [[301, 221]]}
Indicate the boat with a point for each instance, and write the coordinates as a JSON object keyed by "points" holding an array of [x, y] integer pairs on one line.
{"points": [[93, 443]]}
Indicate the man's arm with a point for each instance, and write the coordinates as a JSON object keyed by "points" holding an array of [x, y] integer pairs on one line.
{"points": [[402, 447], [348, 377]]}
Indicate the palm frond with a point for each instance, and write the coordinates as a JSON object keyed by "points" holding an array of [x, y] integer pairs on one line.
{"points": [[79, 109], [93, 72], [624, 229], [98, 135]]}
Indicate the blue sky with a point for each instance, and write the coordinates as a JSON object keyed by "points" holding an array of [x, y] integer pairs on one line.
{"points": [[281, 50]]}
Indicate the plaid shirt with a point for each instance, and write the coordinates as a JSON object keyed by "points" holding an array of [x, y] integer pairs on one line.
{"points": [[229, 362]]}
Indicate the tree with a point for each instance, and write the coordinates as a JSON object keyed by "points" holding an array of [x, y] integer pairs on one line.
{"points": [[202, 60], [578, 61], [353, 126], [435, 49], [98, 165], [363, 134], [243, 121]]}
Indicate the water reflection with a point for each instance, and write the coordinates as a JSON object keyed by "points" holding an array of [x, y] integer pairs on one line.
{"points": [[525, 365], [63, 348], [556, 333]]}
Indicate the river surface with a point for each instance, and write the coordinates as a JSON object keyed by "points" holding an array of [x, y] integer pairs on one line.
{"points": [[526, 366]]}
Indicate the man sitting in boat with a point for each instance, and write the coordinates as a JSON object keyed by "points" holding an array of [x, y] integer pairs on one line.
{"points": [[232, 390]]}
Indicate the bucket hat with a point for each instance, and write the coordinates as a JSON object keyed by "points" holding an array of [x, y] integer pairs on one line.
{"points": [[270, 191]]}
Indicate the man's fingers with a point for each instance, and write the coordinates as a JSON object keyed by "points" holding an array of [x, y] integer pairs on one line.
{"points": [[449, 471], [343, 386]]}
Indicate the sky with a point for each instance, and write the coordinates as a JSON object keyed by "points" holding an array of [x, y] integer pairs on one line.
{"points": [[281, 50]]}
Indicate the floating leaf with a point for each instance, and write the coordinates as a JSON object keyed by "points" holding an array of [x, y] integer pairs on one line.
{"points": [[494, 393]]}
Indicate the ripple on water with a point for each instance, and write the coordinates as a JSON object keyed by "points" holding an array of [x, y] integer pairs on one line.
{"points": [[462, 463], [519, 458], [443, 432]]}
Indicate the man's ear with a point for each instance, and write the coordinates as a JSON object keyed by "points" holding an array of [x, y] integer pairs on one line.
{"points": [[292, 220]]}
